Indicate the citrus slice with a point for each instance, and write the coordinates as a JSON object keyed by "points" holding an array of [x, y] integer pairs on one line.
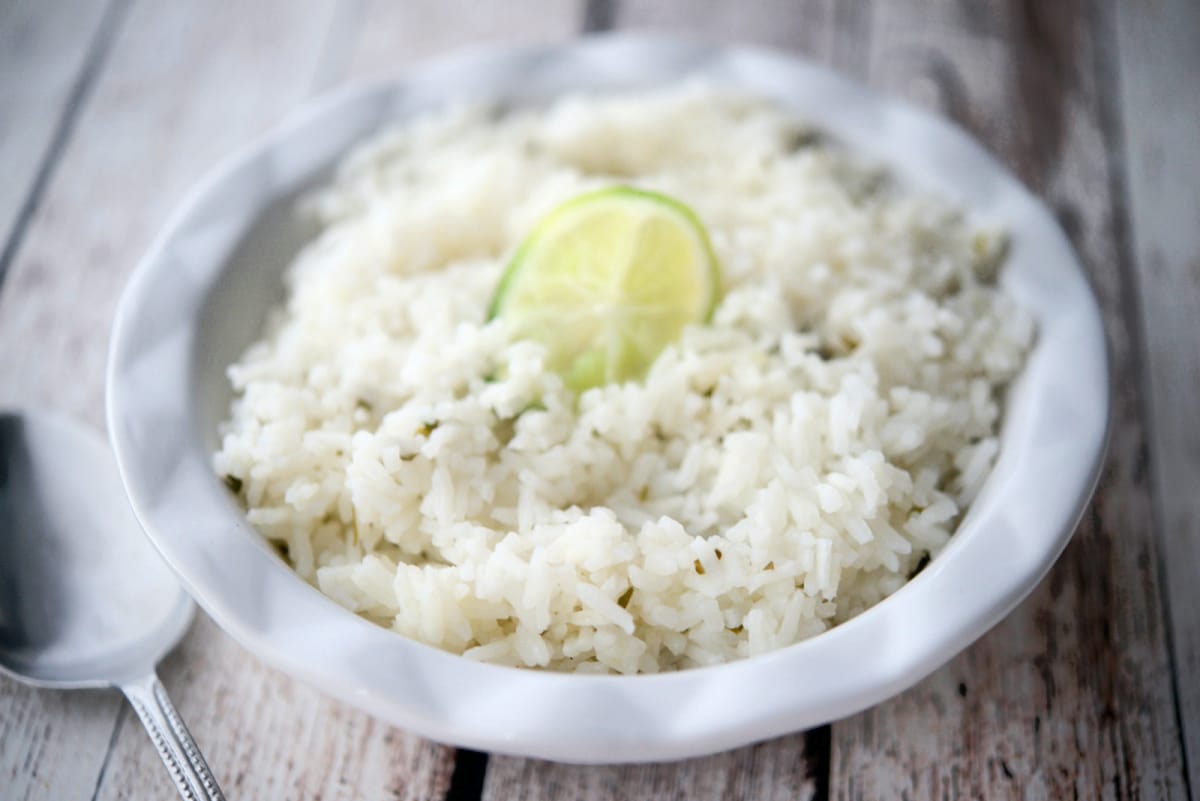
{"points": [[606, 281]]}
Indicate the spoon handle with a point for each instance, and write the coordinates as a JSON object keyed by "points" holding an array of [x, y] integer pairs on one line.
{"points": [[172, 740]]}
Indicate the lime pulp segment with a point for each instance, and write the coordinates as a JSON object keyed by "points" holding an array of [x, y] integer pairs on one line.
{"points": [[607, 280]]}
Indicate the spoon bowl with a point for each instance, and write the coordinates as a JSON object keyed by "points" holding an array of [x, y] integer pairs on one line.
{"points": [[85, 601]]}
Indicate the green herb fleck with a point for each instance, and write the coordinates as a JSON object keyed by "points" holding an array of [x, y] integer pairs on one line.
{"points": [[532, 406], [234, 483], [625, 598]]}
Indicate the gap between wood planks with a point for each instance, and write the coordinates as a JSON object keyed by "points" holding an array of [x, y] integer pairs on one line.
{"points": [[122, 713], [1134, 304], [470, 770], [93, 63], [1134, 311], [1157, 54]]}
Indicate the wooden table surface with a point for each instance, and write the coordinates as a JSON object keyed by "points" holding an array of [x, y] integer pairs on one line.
{"points": [[111, 109]]}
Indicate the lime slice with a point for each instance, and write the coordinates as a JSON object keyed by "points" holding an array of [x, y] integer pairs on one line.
{"points": [[606, 281]]}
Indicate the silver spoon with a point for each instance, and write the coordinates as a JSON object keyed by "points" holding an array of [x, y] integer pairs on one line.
{"points": [[85, 601]]}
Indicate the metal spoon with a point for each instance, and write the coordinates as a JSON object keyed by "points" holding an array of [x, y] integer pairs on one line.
{"points": [[84, 599]]}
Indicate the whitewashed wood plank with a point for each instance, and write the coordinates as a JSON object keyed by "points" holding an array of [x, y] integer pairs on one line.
{"points": [[1071, 695], [779, 770], [1160, 60], [397, 35], [827, 31], [186, 84], [53, 744], [44, 48]]}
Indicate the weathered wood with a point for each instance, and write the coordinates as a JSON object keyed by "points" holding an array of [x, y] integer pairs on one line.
{"points": [[53, 744], [44, 49], [1159, 60], [184, 86], [1070, 696], [266, 736], [826, 31], [397, 35], [779, 770]]}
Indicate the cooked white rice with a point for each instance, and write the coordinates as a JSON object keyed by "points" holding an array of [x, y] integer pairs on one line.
{"points": [[778, 471]]}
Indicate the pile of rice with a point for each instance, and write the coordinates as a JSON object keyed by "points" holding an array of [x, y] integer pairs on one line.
{"points": [[779, 470]]}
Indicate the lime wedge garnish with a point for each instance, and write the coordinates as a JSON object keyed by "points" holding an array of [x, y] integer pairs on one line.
{"points": [[606, 281]]}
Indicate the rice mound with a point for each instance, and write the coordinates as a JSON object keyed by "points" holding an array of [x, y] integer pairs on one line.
{"points": [[779, 470]]}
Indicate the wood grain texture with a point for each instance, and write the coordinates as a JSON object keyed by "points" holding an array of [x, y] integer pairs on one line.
{"points": [[832, 32], [779, 770], [1157, 44], [185, 86], [53, 744], [1071, 696], [393, 36], [43, 51]]}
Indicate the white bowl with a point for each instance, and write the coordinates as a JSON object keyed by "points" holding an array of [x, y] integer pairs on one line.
{"points": [[200, 297]]}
